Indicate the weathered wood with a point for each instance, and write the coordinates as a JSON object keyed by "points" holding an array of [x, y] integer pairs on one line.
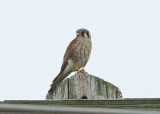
{"points": [[74, 88], [98, 88], [61, 92], [85, 91], [84, 86]]}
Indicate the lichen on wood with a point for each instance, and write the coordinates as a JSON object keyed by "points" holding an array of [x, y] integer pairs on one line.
{"points": [[84, 86]]}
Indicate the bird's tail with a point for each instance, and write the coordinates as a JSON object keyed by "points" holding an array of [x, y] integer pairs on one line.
{"points": [[57, 80]]}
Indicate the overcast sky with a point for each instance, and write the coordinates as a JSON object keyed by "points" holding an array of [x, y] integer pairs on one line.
{"points": [[34, 35]]}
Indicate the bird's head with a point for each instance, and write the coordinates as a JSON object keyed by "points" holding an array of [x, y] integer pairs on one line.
{"points": [[84, 33]]}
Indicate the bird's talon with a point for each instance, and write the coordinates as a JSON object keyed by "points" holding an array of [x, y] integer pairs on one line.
{"points": [[79, 71]]}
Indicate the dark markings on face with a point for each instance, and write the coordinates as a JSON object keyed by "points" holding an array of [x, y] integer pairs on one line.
{"points": [[88, 34], [84, 33]]}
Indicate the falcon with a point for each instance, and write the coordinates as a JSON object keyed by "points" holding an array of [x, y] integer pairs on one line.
{"points": [[76, 56]]}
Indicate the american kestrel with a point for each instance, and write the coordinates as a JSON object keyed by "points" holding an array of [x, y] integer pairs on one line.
{"points": [[76, 56]]}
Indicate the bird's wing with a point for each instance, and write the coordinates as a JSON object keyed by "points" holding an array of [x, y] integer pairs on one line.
{"points": [[64, 73], [68, 54]]}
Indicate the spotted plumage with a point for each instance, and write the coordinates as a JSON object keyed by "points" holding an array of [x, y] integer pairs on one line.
{"points": [[76, 56]]}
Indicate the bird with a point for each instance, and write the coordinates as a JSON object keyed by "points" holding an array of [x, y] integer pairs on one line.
{"points": [[76, 56]]}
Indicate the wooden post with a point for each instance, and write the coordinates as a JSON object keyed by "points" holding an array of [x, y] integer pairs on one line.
{"points": [[84, 86]]}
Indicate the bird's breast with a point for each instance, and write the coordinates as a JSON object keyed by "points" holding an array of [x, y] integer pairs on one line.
{"points": [[82, 50]]}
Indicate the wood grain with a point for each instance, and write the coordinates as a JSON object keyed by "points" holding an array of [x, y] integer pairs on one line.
{"points": [[85, 86]]}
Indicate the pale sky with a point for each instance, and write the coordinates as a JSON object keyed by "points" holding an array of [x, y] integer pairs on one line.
{"points": [[34, 35]]}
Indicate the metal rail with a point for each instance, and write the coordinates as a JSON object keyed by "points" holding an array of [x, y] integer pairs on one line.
{"points": [[17, 108]]}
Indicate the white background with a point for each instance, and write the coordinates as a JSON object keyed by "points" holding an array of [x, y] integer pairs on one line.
{"points": [[34, 35]]}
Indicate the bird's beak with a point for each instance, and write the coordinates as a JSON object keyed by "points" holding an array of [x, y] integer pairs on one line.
{"points": [[78, 33]]}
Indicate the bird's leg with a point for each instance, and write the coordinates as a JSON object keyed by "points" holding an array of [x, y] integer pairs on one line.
{"points": [[80, 70], [83, 71]]}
